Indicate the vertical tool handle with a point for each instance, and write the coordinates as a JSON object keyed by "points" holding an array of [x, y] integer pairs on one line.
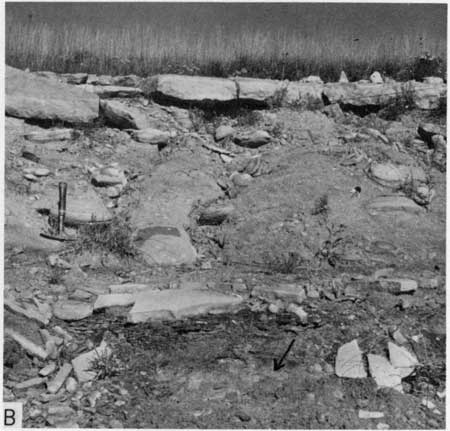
{"points": [[62, 206]]}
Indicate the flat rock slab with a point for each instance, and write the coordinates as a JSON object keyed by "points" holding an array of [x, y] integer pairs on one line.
{"points": [[106, 91], [394, 203], [114, 300], [384, 373], [131, 288], [72, 310], [166, 245], [193, 88], [151, 136], [388, 174], [180, 303], [59, 379], [50, 135], [349, 362], [40, 98]]}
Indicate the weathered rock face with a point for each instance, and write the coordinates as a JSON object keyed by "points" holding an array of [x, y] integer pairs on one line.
{"points": [[426, 96], [106, 91], [259, 90], [167, 245], [193, 88], [35, 97], [394, 203], [358, 94], [391, 175], [122, 116], [178, 303]]}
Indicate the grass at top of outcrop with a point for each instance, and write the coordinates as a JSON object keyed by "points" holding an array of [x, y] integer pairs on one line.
{"points": [[144, 51]]}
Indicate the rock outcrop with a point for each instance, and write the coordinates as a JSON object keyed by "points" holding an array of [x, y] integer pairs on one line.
{"points": [[33, 97]]}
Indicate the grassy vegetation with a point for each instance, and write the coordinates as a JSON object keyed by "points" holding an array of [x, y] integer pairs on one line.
{"points": [[145, 50]]}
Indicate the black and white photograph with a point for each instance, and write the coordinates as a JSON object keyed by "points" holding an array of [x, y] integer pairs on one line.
{"points": [[224, 215]]}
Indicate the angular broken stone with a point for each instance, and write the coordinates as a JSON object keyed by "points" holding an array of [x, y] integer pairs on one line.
{"points": [[376, 78], [72, 310], [343, 78], [253, 139], [223, 132], [114, 300], [384, 373], [179, 303], [349, 362], [29, 312], [241, 180], [401, 359], [151, 136], [48, 369], [82, 364], [35, 381], [399, 285], [28, 345], [108, 176], [388, 174], [299, 312], [59, 379], [398, 337]]}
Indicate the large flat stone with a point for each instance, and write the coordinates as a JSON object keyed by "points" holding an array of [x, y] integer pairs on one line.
{"points": [[394, 203], [349, 362], [82, 364], [259, 90], [40, 98], [384, 373], [179, 303], [193, 88]]}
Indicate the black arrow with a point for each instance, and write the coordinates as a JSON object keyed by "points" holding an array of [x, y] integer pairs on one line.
{"points": [[277, 365]]}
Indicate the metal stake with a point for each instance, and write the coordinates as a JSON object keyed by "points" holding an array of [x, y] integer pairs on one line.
{"points": [[61, 207]]}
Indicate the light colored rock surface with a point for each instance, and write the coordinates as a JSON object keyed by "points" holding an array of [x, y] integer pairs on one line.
{"points": [[253, 139], [343, 78], [399, 285], [50, 135], [384, 374], [376, 78], [35, 381], [286, 292], [172, 248], [402, 359], [28, 345], [151, 136], [27, 310], [48, 369], [303, 94], [299, 312], [122, 116], [34, 97], [365, 414], [312, 79], [433, 80], [426, 96], [349, 361], [114, 300], [394, 203], [259, 90], [179, 303], [223, 132], [59, 379], [83, 206], [131, 288], [194, 88], [106, 91], [108, 176], [82, 363], [72, 310]]}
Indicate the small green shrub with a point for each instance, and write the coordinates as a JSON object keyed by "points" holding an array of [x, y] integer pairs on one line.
{"points": [[403, 103], [321, 206], [105, 365], [114, 237]]}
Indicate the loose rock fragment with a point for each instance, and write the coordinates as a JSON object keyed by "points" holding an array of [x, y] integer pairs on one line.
{"points": [[223, 132], [72, 310], [384, 373], [399, 285], [59, 379], [299, 312], [50, 135], [114, 300], [28, 345], [36, 381], [253, 139], [376, 78], [151, 136], [401, 359], [349, 361], [48, 369], [364, 414], [131, 288]]}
